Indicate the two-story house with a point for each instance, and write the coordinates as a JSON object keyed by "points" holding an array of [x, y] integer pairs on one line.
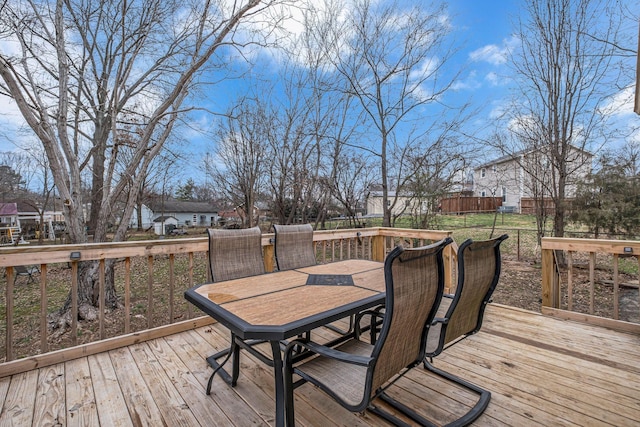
{"points": [[521, 176]]}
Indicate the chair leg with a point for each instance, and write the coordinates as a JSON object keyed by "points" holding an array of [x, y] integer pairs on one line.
{"points": [[468, 418], [484, 396], [402, 409]]}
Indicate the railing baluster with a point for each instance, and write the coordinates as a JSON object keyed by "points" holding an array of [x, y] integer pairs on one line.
{"points": [[592, 281], [127, 295], [101, 293], [569, 280], [171, 287], [74, 302], [616, 312], [150, 292], [9, 313], [333, 250], [44, 346], [189, 306]]}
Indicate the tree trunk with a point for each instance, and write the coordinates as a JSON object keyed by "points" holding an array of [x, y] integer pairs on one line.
{"points": [[97, 190], [139, 210], [89, 293]]}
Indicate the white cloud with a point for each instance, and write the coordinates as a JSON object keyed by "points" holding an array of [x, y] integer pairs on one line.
{"points": [[492, 78], [11, 121], [469, 83], [620, 104], [494, 54], [490, 53], [426, 68]]}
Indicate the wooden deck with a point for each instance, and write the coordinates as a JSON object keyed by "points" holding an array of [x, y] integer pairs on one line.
{"points": [[541, 371]]}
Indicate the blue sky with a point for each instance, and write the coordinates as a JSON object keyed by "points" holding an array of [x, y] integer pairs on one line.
{"points": [[483, 29]]}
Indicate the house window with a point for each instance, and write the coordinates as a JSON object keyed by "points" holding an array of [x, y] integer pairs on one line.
{"points": [[388, 203], [504, 194], [494, 168], [483, 173], [195, 219], [483, 193]]}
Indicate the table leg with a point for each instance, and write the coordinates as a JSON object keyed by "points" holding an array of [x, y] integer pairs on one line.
{"points": [[279, 383]]}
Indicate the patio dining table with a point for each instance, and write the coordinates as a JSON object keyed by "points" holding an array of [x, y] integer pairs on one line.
{"points": [[277, 306]]}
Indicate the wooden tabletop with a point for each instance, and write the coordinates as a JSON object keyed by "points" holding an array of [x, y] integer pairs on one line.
{"points": [[279, 305]]}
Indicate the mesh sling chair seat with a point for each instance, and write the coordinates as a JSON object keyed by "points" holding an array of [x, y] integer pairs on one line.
{"points": [[460, 315], [356, 372], [233, 254]]}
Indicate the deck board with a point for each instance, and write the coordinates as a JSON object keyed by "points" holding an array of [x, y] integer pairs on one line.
{"points": [[80, 397], [50, 405], [110, 402], [541, 371]]}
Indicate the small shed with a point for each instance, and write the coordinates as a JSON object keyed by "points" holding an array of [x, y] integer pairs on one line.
{"points": [[167, 221]]}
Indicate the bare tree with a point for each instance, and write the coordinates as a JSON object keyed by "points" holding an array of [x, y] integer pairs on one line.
{"points": [[295, 144], [393, 59], [438, 173], [239, 165], [80, 69], [563, 69]]}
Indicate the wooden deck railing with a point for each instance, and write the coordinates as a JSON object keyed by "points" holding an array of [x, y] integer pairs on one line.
{"points": [[150, 278], [600, 265]]}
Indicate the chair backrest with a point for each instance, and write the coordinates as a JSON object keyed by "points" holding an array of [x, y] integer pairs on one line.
{"points": [[478, 274], [235, 253], [414, 285], [294, 246]]}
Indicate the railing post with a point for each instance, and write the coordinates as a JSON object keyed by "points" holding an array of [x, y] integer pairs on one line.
{"points": [[548, 291], [377, 248], [268, 254], [448, 268]]}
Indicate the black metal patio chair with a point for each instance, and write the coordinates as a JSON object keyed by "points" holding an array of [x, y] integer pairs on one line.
{"points": [[357, 372], [460, 315], [233, 254]]}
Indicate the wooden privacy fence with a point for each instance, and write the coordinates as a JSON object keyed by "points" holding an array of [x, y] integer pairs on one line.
{"points": [[470, 204], [150, 278], [576, 271], [528, 206]]}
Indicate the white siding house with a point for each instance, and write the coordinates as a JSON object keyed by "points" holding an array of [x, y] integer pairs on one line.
{"points": [[147, 217], [405, 203], [188, 214], [510, 177]]}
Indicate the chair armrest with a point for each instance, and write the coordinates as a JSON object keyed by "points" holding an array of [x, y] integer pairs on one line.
{"points": [[374, 313], [325, 351], [437, 320]]}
